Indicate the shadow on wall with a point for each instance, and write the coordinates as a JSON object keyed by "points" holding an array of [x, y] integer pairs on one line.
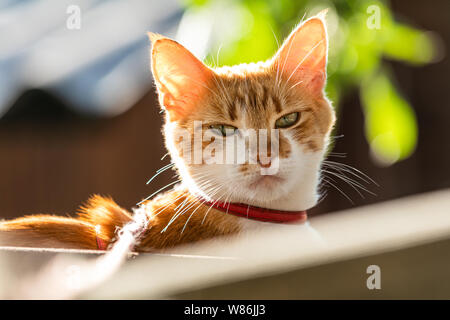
{"points": [[56, 159]]}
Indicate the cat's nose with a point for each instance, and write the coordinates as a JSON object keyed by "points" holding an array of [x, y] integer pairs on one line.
{"points": [[266, 163], [264, 160]]}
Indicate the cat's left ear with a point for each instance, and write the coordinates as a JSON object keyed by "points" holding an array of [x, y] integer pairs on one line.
{"points": [[302, 58], [181, 79]]}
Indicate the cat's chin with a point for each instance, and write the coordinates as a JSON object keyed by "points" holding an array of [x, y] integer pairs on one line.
{"points": [[267, 182], [280, 192], [292, 202]]}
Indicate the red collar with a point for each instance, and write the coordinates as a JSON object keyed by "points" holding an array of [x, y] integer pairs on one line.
{"points": [[257, 213], [101, 245]]}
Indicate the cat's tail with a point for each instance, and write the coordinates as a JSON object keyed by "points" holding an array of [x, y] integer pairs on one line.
{"points": [[94, 228]]}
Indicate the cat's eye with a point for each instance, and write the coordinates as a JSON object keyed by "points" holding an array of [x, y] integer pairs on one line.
{"points": [[223, 129], [287, 120]]}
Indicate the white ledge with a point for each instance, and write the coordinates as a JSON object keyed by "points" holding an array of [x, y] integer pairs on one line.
{"points": [[277, 250]]}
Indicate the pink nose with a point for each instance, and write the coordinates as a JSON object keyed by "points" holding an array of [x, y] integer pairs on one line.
{"points": [[265, 165]]}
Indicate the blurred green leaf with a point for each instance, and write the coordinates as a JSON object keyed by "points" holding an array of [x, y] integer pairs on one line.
{"points": [[195, 2], [258, 43], [407, 44], [391, 127]]}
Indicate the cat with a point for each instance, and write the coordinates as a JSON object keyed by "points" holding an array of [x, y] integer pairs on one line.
{"points": [[285, 93]]}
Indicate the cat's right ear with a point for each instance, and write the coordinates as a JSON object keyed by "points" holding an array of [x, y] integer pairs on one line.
{"points": [[303, 55], [181, 79]]}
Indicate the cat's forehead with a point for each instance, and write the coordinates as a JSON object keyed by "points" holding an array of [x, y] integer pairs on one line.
{"points": [[251, 91]]}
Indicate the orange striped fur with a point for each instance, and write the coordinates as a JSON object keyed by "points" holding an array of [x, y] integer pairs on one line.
{"points": [[105, 216]]}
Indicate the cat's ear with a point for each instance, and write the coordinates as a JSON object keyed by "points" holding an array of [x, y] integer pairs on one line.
{"points": [[181, 79], [303, 56]]}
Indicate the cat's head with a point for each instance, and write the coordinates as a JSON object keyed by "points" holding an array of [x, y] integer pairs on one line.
{"points": [[207, 109]]}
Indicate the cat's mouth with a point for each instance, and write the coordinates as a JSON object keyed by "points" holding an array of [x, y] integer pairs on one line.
{"points": [[266, 182]]}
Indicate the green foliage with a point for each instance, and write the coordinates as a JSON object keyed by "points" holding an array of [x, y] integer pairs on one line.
{"points": [[251, 31], [390, 121]]}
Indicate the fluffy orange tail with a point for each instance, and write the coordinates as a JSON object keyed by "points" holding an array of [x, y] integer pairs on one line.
{"points": [[97, 221], [97, 224]]}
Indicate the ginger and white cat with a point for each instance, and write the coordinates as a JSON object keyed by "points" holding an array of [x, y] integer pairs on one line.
{"points": [[285, 93]]}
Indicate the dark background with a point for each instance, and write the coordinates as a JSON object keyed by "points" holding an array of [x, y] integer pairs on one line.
{"points": [[52, 160]]}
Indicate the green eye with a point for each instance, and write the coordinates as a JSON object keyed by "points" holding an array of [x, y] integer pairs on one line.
{"points": [[223, 129], [287, 120]]}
